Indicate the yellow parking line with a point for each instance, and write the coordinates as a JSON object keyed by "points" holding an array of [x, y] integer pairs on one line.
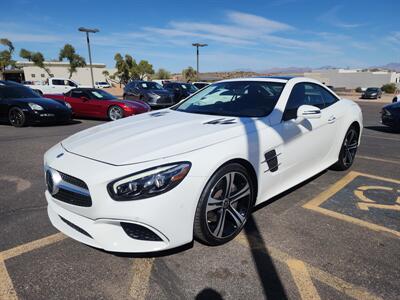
{"points": [[322, 276], [7, 291], [379, 159], [32, 246], [141, 276], [302, 279]]}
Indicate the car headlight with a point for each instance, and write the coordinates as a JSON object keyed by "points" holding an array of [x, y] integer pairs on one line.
{"points": [[385, 112], [35, 106], [68, 105], [148, 183]]}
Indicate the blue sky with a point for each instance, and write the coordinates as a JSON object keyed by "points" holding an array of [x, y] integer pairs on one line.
{"points": [[241, 34]]}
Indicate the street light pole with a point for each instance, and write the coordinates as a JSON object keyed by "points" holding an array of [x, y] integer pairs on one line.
{"points": [[87, 30], [197, 45]]}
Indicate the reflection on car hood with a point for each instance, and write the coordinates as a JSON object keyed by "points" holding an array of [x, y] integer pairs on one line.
{"points": [[160, 92], [152, 135]]}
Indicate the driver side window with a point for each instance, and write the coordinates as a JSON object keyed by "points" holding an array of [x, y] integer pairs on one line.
{"points": [[303, 93]]}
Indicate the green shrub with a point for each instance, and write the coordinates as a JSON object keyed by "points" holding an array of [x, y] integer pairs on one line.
{"points": [[389, 88], [359, 89]]}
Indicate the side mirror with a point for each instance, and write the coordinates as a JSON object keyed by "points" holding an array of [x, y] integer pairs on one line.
{"points": [[83, 98], [308, 112]]}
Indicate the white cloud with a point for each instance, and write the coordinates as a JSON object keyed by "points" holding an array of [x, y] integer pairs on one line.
{"points": [[331, 17]]}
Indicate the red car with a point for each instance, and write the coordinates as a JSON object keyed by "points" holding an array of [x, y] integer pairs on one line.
{"points": [[96, 103]]}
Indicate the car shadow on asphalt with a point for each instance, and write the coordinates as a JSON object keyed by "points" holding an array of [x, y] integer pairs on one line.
{"points": [[384, 129]]}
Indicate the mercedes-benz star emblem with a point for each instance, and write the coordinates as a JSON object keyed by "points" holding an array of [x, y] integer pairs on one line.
{"points": [[53, 178]]}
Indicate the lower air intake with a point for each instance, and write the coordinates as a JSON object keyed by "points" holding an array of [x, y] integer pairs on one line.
{"points": [[139, 232]]}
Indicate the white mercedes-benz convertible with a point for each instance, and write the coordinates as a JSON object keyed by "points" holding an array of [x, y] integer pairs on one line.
{"points": [[157, 180]]}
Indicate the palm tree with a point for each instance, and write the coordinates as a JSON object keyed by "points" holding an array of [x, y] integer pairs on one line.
{"points": [[75, 60], [6, 55]]}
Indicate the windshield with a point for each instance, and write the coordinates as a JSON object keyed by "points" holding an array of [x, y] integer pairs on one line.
{"points": [[150, 85], [236, 98], [372, 89], [189, 87], [17, 93], [101, 95]]}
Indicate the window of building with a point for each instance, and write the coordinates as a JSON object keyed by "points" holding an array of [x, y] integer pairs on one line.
{"points": [[33, 75], [42, 75]]}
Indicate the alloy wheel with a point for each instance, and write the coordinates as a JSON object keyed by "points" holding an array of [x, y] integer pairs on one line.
{"points": [[228, 205], [17, 117], [350, 146], [115, 113]]}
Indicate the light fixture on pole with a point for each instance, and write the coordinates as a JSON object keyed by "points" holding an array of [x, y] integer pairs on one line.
{"points": [[197, 45], [87, 30]]}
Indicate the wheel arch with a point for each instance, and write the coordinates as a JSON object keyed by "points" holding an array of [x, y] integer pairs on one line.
{"points": [[249, 167]]}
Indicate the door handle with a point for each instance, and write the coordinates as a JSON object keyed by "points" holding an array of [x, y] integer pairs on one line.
{"points": [[332, 119]]}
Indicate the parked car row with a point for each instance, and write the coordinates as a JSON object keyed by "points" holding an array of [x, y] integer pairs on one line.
{"points": [[155, 94], [20, 105]]}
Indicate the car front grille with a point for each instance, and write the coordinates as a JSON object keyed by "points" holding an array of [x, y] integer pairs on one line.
{"points": [[73, 198], [73, 180], [67, 188]]}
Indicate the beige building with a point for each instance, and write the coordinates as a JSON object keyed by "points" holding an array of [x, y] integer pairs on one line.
{"points": [[57, 69], [353, 78]]}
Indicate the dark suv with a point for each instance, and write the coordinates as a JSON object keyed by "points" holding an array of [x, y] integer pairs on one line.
{"points": [[151, 92], [180, 90]]}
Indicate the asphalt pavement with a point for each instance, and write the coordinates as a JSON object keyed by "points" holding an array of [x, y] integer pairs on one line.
{"points": [[336, 236]]}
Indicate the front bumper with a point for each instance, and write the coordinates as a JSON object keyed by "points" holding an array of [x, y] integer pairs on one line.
{"points": [[391, 121], [170, 215], [45, 116]]}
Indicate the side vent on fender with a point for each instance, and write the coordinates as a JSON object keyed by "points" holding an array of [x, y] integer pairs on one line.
{"points": [[271, 158], [222, 121]]}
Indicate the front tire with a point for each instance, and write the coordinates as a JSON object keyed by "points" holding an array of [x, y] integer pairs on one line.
{"points": [[348, 151], [16, 117], [115, 113], [225, 205]]}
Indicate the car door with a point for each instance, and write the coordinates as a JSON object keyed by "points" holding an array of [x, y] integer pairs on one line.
{"points": [[305, 142], [94, 104], [77, 101], [3, 105]]}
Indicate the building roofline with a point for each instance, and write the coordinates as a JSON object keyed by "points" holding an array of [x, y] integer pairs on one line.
{"points": [[23, 63]]}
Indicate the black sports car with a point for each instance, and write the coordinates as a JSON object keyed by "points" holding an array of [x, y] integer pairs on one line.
{"points": [[21, 106], [391, 115]]}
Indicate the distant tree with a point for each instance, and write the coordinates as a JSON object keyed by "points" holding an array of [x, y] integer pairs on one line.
{"points": [[162, 74], [359, 89], [128, 69], [26, 54], [389, 88], [123, 66], [75, 60], [105, 73], [189, 74], [142, 70], [36, 57], [38, 60], [6, 55]]}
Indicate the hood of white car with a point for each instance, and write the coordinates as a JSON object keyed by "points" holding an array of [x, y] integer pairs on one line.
{"points": [[153, 136]]}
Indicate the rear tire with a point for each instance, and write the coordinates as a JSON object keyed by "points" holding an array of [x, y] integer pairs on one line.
{"points": [[224, 206], [115, 113], [16, 117], [348, 150]]}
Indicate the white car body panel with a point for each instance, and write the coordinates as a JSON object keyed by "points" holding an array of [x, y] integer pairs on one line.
{"points": [[104, 153]]}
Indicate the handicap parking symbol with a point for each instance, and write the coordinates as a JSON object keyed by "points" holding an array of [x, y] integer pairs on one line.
{"points": [[363, 199]]}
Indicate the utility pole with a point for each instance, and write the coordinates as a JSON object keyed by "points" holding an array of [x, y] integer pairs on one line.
{"points": [[198, 45], [87, 30]]}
